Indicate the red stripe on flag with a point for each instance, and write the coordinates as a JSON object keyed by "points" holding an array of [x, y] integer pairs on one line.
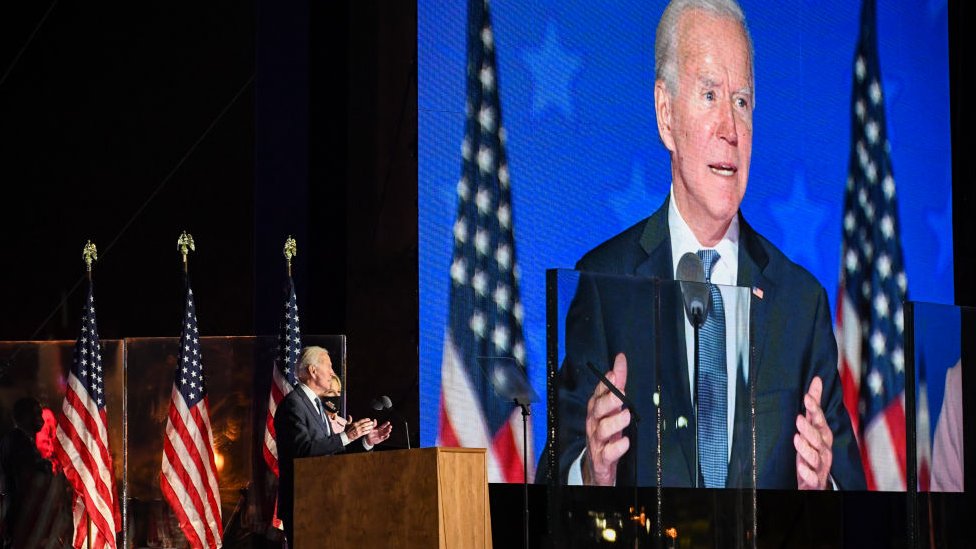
{"points": [[447, 435], [170, 494], [894, 416], [507, 454], [175, 495]]}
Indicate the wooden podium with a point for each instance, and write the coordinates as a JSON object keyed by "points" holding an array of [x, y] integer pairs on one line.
{"points": [[428, 497]]}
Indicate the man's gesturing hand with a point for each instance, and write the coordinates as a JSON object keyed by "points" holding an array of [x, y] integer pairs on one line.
{"points": [[813, 442], [605, 420]]}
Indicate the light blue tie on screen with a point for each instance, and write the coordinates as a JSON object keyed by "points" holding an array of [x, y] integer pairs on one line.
{"points": [[712, 386]]}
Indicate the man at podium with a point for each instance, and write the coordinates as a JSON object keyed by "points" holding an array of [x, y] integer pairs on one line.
{"points": [[704, 97], [302, 428]]}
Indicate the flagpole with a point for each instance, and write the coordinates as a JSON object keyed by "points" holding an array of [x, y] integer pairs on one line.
{"points": [[185, 245], [90, 254], [290, 251]]}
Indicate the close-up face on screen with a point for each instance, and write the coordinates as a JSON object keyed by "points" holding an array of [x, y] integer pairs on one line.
{"points": [[707, 240]]}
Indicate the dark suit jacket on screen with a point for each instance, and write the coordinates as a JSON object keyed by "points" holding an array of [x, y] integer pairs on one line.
{"points": [[791, 341]]}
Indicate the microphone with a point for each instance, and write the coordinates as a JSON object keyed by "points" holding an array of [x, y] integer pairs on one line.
{"points": [[381, 403], [694, 291]]}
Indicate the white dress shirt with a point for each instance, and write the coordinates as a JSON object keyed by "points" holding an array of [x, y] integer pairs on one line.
{"points": [[315, 404], [725, 272]]}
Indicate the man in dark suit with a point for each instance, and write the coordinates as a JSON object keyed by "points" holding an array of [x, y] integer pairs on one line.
{"points": [[302, 430], [704, 100]]}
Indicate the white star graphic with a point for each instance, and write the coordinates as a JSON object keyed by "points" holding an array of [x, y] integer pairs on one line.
{"points": [[503, 255], [477, 324], [860, 109], [486, 38], [888, 185], [466, 148], [887, 227], [486, 119], [481, 241], [480, 283], [878, 343], [872, 130], [881, 305], [859, 68], [459, 271], [483, 200], [486, 160], [898, 360], [553, 71], [487, 77], [499, 338], [504, 216], [518, 350], [875, 382], [460, 230], [849, 222], [875, 92], [851, 261], [900, 320], [502, 296], [884, 266]]}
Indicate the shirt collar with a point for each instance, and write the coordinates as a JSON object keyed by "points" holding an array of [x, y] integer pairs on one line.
{"points": [[683, 240], [308, 392]]}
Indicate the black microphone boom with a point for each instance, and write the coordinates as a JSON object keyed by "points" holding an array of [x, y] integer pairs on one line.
{"points": [[384, 403]]}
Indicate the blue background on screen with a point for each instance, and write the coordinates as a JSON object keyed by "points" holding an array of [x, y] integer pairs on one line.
{"points": [[576, 85]]}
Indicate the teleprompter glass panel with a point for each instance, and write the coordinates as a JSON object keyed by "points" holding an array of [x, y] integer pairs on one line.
{"points": [[35, 497], [239, 377], [638, 334], [941, 343], [138, 381]]}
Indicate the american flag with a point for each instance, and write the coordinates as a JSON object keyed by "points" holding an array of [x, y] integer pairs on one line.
{"points": [[283, 377], [485, 311], [189, 476], [81, 445], [873, 286]]}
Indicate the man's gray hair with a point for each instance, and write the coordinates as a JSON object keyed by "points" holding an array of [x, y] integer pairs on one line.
{"points": [[310, 356], [666, 40]]}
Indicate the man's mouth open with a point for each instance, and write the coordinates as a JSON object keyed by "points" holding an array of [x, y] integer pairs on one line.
{"points": [[723, 169]]}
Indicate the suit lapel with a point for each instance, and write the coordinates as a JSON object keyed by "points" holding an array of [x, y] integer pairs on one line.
{"points": [[752, 262], [313, 412]]}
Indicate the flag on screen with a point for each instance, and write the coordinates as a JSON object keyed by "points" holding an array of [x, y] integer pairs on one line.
{"points": [[189, 476], [283, 378], [485, 311], [81, 445], [873, 286]]}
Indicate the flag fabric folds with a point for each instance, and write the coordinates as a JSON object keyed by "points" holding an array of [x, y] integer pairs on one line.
{"points": [[283, 379], [81, 444], [189, 473], [485, 311], [283, 376], [873, 287]]}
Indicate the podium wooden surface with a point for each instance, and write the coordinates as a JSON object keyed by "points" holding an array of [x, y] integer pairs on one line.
{"points": [[426, 497]]}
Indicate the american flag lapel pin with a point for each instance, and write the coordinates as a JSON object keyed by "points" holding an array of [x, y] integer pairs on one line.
{"points": [[757, 291]]}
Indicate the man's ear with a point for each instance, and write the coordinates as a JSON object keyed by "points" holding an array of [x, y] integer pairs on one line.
{"points": [[662, 109]]}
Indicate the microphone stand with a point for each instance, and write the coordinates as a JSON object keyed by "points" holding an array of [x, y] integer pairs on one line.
{"points": [[525, 468], [696, 324]]}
